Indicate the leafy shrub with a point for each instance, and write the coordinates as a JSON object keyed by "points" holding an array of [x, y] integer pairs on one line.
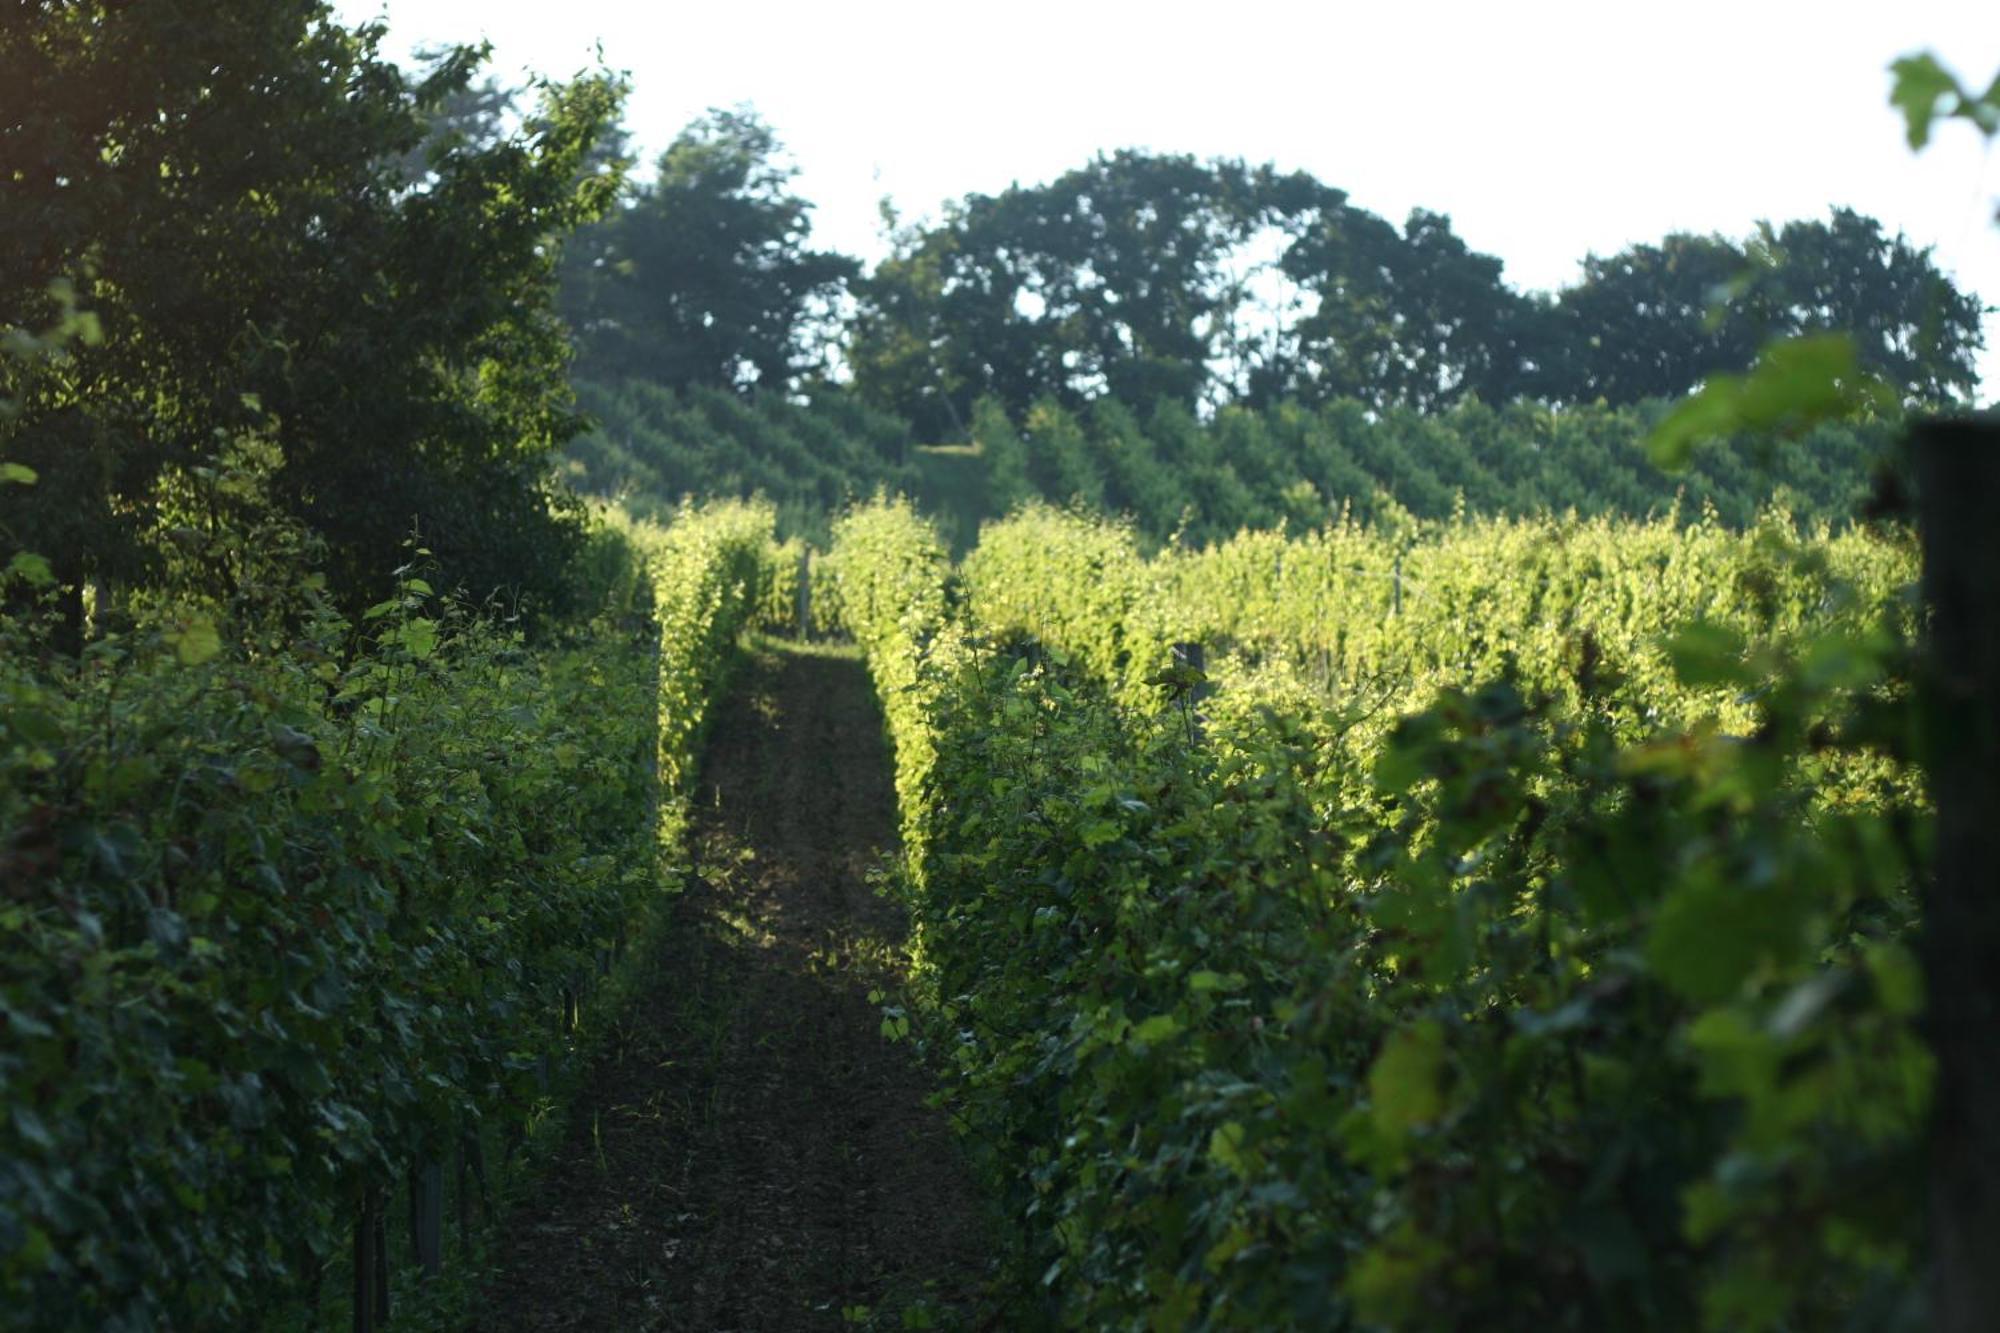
{"points": [[1512, 1018], [283, 918]]}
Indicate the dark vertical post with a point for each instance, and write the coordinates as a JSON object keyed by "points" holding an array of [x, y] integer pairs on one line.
{"points": [[1396, 589], [805, 594], [463, 1196], [313, 1267], [472, 1152], [381, 1265], [364, 1268], [1958, 476], [371, 1263], [427, 1215], [1195, 656], [71, 633]]}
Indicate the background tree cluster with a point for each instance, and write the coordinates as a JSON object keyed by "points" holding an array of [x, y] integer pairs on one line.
{"points": [[286, 239], [1146, 277], [703, 277]]}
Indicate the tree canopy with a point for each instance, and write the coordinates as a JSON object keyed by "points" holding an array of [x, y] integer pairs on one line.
{"points": [[1653, 321], [230, 190], [1125, 277], [1145, 277], [704, 275]]}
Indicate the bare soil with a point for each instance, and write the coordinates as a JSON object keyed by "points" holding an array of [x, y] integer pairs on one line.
{"points": [[750, 1153]]}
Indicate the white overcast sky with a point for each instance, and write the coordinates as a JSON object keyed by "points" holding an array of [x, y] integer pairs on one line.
{"points": [[1546, 129]]}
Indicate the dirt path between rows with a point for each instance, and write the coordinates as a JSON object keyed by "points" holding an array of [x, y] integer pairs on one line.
{"points": [[749, 1153]]}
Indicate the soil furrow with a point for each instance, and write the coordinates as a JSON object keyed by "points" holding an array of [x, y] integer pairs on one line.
{"points": [[749, 1153]]}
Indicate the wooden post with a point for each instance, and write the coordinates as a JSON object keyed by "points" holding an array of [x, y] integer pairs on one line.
{"points": [[381, 1282], [805, 594], [1194, 655], [364, 1269], [463, 1197], [371, 1263], [1958, 478], [1396, 589], [472, 1153], [313, 1269], [427, 1216]]}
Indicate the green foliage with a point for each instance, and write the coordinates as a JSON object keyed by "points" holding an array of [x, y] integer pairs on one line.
{"points": [[1145, 279], [1522, 1009], [225, 187], [292, 901], [1008, 482], [1377, 620], [702, 276], [1638, 325], [1115, 275], [706, 568], [1183, 480], [1657, 321], [1187, 481], [1413, 318], [1796, 384], [778, 592], [651, 448], [1926, 92], [889, 566]]}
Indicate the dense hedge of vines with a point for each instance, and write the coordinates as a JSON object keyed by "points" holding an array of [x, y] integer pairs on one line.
{"points": [[1513, 1018], [1176, 476], [1377, 618], [291, 903], [653, 447]]}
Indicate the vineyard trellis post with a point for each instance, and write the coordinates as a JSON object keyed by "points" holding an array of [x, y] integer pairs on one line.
{"points": [[427, 1215], [462, 1195], [379, 1227], [805, 594], [1958, 476], [371, 1262], [364, 1269], [1194, 656]]}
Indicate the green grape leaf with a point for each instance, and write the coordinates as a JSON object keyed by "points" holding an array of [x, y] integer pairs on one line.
{"points": [[1404, 1084], [419, 637], [1708, 654], [196, 641], [31, 569], [1921, 85], [1225, 1148], [1796, 384]]}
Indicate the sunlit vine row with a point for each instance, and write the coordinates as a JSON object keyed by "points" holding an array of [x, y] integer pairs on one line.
{"points": [[1491, 1004]]}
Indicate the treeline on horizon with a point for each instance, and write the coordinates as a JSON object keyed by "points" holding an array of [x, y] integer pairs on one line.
{"points": [[254, 293], [384, 292], [1181, 291], [1190, 481], [1146, 276]]}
